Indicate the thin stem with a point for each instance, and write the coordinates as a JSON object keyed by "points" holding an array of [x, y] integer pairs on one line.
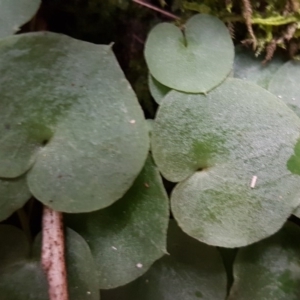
{"points": [[167, 14], [53, 254], [24, 220]]}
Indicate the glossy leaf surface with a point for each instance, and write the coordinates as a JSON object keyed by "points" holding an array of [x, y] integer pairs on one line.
{"points": [[127, 237], [269, 269], [191, 271], [194, 61], [70, 115], [21, 275], [14, 13], [220, 145]]}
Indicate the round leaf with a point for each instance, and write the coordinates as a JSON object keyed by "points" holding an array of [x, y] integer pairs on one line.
{"points": [[230, 150], [73, 97], [192, 61], [14, 13], [157, 90], [249, 67], [127, 237], [13, 195], [285, 85], [269, 269], [21, 275], [192, 271]]}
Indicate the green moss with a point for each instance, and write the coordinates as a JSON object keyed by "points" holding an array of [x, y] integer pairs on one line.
{"points": [[270, 19]]}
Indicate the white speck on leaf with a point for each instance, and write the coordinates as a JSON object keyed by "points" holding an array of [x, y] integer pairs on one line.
{"points": [[113, 247], [279, 96], [139, 265], [132, 121], [253, 182]]}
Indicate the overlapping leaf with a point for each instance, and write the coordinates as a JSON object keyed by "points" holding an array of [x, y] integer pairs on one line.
{"points": [[14, 13], [157, 90], [68, 113], [21, 276], [216, 145], [127, 237], [249, 67], [285, 85], [191, 271], [13, 195], [192, 61], [269, 269]]}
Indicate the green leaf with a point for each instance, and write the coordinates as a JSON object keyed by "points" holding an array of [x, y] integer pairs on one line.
{"points": [[215, 145], [293, 163], [13, 195], [81, 271], [157, 90], [14, 13], [269, 269], [192, 271], [73, 97], [297, 212], [285, 85], [192, 61], [21, 275], [127, 237], [249, 67]]}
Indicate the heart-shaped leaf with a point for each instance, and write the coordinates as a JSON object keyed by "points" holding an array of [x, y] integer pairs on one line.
{"points": [[192, 270], [285, 85], [73, 97], [13, 195], [230, 150], [127, 237], [157, 90], [14, 13], [192, 61], [249, 67], [269, 269], [21, 275]]}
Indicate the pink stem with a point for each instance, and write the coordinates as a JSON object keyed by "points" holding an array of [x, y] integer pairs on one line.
{"points": [[53, 254], [156, 9]]}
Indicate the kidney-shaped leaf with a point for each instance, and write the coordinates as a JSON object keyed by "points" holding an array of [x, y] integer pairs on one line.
{"points": [[67, 111], [192, 271], [269, 269], [195, 61], [230, 150], [13, 195], [127, 237], [285, 85], [21, 275], [249, 67], [14, 13]]}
